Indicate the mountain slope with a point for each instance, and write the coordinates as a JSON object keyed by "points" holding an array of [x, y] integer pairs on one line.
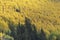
{"points": [[42, 13]]}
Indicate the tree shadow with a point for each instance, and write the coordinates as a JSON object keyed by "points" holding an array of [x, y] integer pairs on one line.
{"points": [[30, 30], [26, 32], [13, 31], [42, 35]]}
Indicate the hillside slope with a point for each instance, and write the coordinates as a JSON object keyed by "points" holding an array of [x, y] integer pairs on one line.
{"points": [[43, 14]]}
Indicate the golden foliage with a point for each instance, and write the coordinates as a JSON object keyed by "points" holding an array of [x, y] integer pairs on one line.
{"points": [[43, 13]]}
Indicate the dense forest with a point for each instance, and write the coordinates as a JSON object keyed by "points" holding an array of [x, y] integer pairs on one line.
{"points": [[27, 32], [29, 19]]}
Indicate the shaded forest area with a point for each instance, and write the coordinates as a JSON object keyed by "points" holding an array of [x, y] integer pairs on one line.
{"points": [[27, 32]]}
